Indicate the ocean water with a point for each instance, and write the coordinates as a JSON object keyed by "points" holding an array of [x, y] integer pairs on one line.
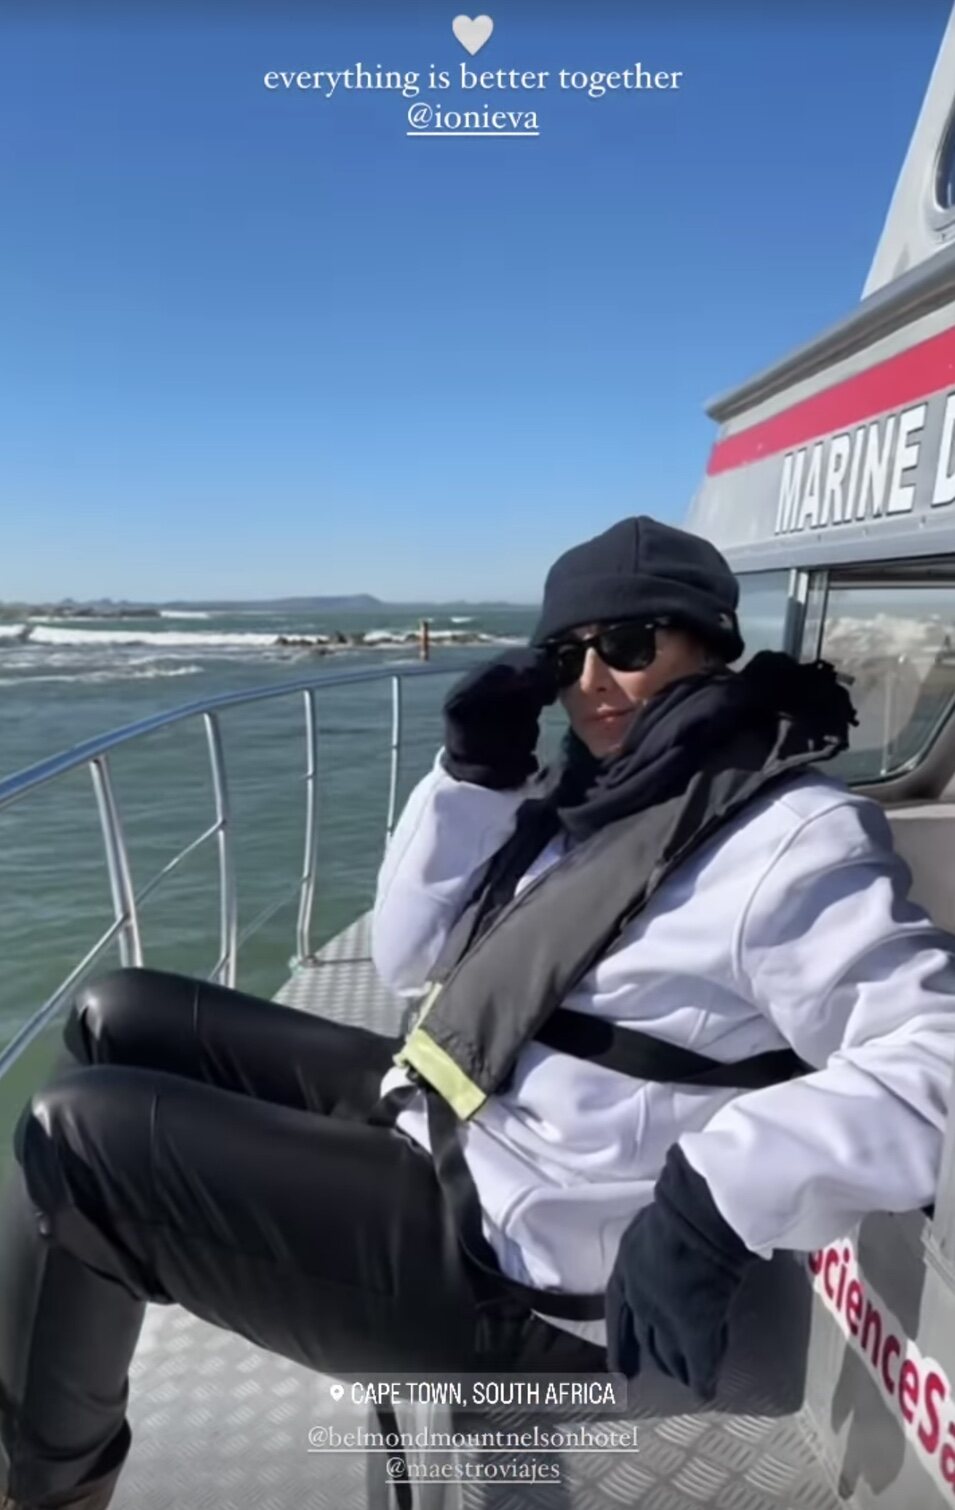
{"points": [[63, 682]]}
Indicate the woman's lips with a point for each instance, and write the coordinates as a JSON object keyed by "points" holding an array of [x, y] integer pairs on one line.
{"points": [[612, 716]]}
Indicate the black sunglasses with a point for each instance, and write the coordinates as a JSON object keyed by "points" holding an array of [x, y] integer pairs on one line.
{"points": [[623, 647]]}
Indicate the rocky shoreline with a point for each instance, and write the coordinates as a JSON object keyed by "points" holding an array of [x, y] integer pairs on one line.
{"points": [[27, 631], [332, 644]]}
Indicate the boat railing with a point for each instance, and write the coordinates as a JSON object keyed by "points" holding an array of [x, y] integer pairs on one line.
{"points": [[94, 754]]}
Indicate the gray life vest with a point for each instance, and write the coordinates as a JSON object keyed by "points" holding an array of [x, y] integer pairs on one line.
{"points": [[496, 990]]}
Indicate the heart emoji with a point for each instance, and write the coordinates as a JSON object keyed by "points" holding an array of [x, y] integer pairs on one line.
{"points": [[472, 34], [337, 1391]]}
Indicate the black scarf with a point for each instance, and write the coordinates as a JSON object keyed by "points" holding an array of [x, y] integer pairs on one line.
{"points": [[685, 729]]}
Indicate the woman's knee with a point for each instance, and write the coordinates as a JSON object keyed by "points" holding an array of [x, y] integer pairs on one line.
{"points": [[73, 1116], [97, 1013], [84, 1144], [110, 1013]]}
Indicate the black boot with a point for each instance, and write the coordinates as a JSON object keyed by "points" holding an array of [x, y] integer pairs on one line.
{"points": [[57, 1454], [92, 1496]]}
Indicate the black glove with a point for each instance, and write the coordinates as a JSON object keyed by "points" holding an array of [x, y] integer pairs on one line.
{"points": [[491, 718], [676, 1273]]}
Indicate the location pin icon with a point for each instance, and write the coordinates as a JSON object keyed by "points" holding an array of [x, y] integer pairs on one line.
{"points": [[337, 1391]]}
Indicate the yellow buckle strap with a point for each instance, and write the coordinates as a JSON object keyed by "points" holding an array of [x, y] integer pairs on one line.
{"points": [[420, 1052]]}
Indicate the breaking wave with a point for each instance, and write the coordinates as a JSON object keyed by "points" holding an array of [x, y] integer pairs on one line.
{"points": [[48, 634], [203, 639]]}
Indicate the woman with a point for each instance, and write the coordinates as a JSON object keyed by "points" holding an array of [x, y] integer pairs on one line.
{"points": [[627, 966]]}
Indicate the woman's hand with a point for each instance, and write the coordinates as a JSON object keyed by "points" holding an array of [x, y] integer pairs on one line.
{"points": [[677, 1271], [492, 718]]}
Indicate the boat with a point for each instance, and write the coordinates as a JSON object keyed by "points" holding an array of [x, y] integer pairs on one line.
{"points": [[831, 489]]}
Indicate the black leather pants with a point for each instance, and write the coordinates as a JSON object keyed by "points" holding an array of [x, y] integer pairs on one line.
{"points": [[207, 1148]]}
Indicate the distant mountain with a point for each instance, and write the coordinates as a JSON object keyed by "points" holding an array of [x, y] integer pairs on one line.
{"points": [[361, 602], [457, 603], [357, 602]]}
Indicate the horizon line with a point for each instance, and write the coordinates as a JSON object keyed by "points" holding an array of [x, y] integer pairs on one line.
{"points": [[308, 599]]}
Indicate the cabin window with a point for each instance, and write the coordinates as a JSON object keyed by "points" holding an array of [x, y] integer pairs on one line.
{"points": [[896, 641], [945, 172], [763, 605]]}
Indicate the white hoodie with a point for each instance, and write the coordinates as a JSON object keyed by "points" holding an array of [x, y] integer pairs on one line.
{"points": [[790, 926]]}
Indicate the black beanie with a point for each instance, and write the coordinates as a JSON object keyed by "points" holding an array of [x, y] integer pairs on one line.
{"points": [[641, 569]]}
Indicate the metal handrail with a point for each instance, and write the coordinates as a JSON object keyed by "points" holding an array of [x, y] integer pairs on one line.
{"points": [[395, 758], [94, 753], [120, 884], [228, 893], [175, 862], [310, 859], [31, 1029], [13, 787]]}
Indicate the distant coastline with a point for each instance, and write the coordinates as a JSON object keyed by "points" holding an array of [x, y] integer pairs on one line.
{"points": [[13, 612], [108, 608]]}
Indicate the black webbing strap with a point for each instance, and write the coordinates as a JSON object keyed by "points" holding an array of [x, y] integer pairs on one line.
{"points": [[458, 1188], [624, 1049], [643, 1057], [461, 1197]]}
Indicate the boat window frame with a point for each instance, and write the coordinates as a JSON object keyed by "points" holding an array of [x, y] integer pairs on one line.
{"points": [[941, 218], [792, 602], [928, 775]]}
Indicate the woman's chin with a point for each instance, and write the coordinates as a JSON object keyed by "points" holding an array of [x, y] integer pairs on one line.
{"points": [[602, 744]]}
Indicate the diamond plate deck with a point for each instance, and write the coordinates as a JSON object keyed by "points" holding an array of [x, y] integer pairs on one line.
{"points": [[218, 1424]]}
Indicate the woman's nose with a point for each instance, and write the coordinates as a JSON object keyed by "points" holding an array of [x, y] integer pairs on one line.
{"points": [[594, 673]]}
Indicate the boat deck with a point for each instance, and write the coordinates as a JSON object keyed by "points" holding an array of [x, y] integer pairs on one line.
{"points": [[218, 1424]]}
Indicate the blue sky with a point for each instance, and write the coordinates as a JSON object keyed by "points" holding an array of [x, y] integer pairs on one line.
{"points": [[261, 342]]}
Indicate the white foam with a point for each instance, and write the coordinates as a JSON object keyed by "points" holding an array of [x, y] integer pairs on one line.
{"points": [[56, 646], [185, 613], [466, 637], [163, 639], [383, 638]]}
